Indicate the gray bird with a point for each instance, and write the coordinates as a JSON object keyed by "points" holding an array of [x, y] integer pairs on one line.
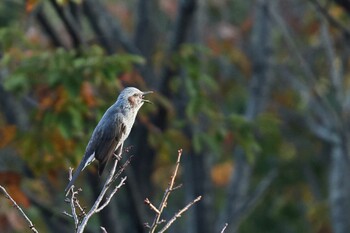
{"points": [[112, 130]]}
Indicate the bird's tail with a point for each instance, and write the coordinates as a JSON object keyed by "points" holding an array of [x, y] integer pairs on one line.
{"points": [[75, 176]]}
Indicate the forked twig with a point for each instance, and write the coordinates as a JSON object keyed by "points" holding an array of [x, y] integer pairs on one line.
{"points": [[178, 214], [157, 220], [151, 206]]}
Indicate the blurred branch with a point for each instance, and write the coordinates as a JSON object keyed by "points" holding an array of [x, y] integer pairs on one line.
{"points": [[237, 204], [258, 193], [145, 37], [69, 23], [339, 189], [333, 61], [48, 28], [336, 68], [310, 78], [106, 28], [322, 131], [184, 17], [31, 226], [330, 18]]}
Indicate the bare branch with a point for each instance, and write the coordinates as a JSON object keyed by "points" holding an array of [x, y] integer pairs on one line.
{"points": [[72, 206], [122, 168], [31, 226], [103, 230], [176, 187], [178, 214], [97, 206], [167, 192], [74, 202], [108, 199], [106, 27], [224, 228], [157, 220], [99, 199], [147, 201], [69, 215]]}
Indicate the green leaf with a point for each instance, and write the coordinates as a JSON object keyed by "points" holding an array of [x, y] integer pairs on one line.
{"points": [[16, 82]]}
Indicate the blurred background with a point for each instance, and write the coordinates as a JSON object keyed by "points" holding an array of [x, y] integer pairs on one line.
{"points": [[255, 92]]}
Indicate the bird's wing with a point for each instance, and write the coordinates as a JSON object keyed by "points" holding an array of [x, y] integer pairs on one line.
{"points": [[101, 146], [108, 141]]}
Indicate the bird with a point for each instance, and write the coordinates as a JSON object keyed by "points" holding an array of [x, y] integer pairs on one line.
{"points": [[112, 130]]}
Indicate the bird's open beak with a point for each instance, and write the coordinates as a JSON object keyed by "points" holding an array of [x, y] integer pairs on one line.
{"points": [[143, 95]]}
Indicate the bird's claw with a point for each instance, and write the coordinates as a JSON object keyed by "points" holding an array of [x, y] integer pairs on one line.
{"points": [[117, 156]]}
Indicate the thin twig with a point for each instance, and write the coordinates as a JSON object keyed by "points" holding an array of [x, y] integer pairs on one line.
{"points": [[72, 206], [163, 203], [108, 199], [151, 206], [67, 214], [103, 230], [224, 228], [178, 214], [72, 200], [77, 204], [122, 168], [31, 226]]}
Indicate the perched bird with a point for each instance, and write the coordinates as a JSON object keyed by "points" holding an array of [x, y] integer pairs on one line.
{"points": [[112, 130]]}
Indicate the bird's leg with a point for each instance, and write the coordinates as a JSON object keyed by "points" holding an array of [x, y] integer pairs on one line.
{"points": [[118, 152]]}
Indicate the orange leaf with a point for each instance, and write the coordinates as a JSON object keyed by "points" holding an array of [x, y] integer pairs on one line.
{"points": [[221, 173], [132, 78], [9, 178], [17, 195], [61, 98], [12, 182], [7, 134], [30, 5], [87, 93]]}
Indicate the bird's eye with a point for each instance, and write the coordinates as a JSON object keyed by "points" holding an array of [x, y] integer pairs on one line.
{"points": [[135, 94]]}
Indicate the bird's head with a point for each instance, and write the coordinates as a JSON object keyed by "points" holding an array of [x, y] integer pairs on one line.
{"points": [[134, 97]]}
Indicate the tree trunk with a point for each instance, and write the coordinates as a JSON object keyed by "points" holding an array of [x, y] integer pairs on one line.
{"points": [[339, 188]]}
